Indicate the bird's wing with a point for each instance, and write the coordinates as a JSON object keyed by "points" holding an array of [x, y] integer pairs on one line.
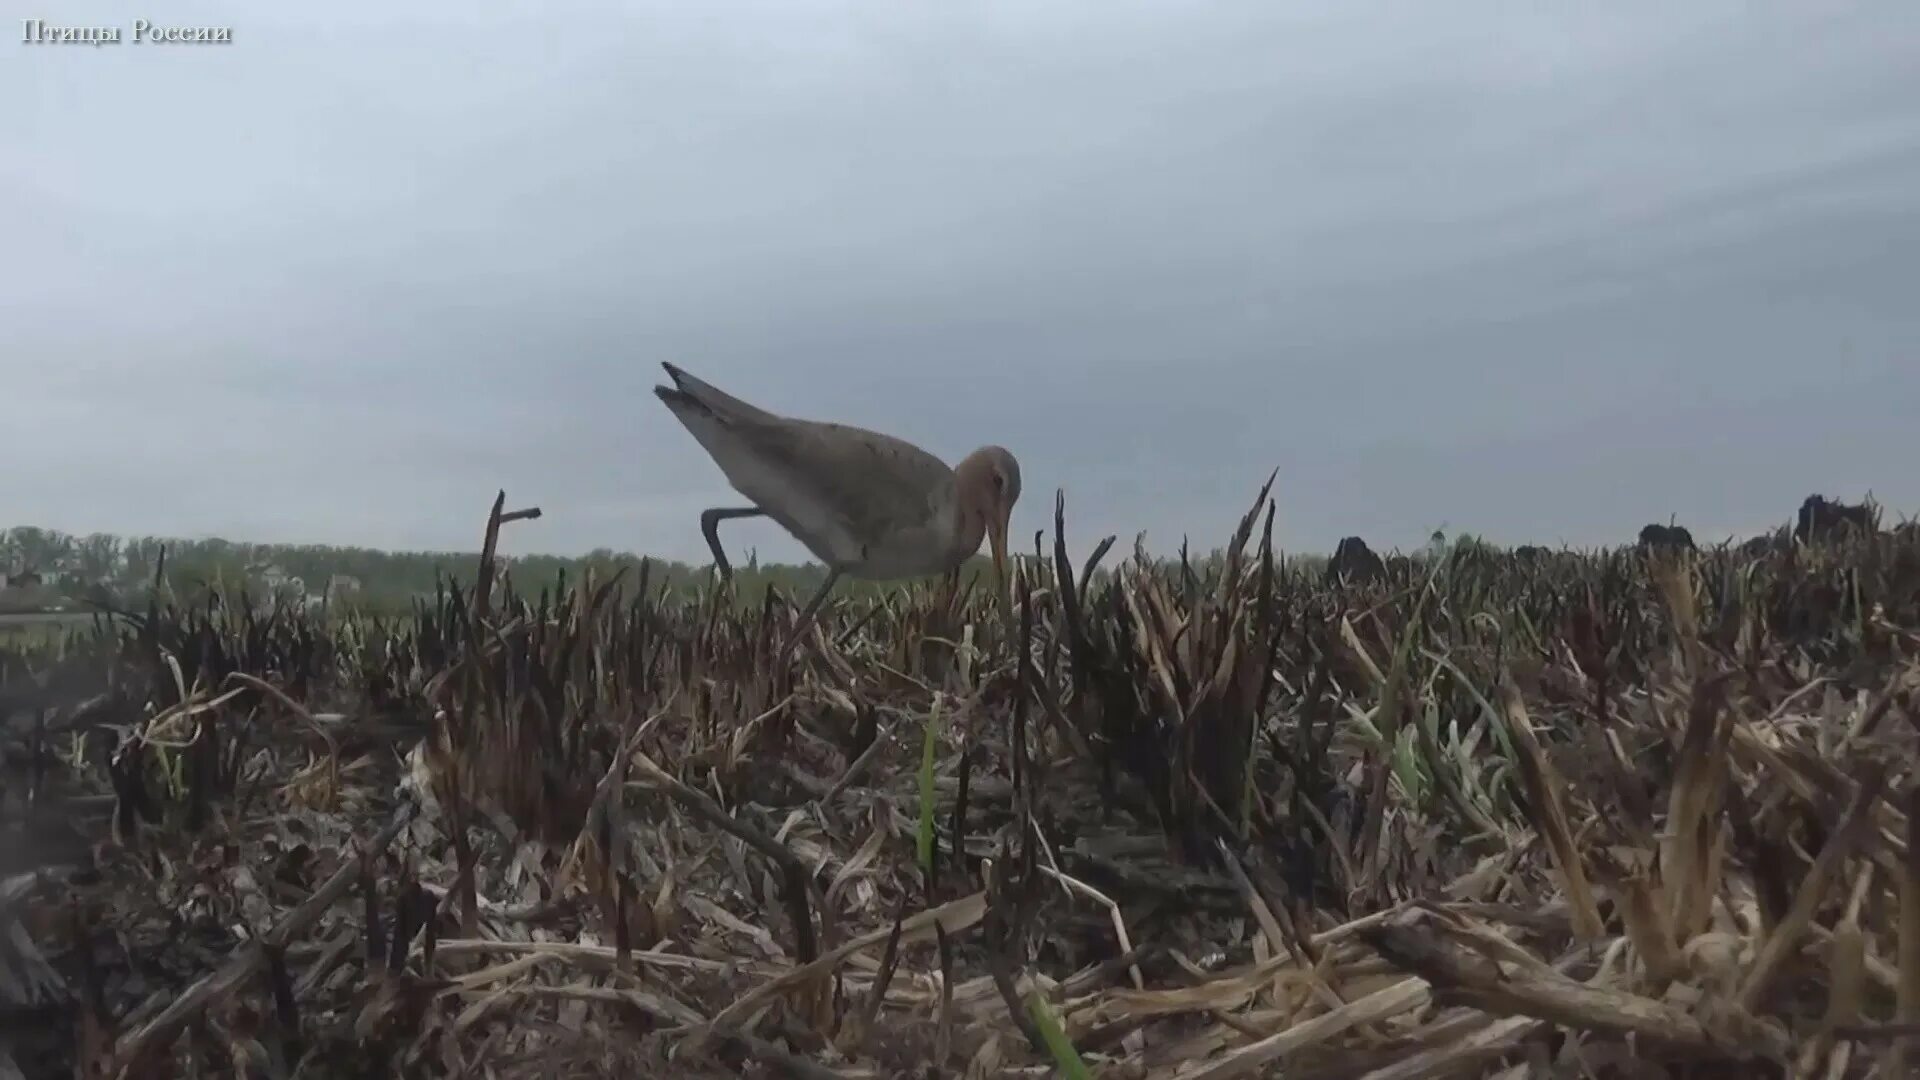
{"points": [[875, 483]]}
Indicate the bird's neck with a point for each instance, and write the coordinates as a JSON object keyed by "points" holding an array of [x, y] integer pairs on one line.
{"points": [[968, 532], [969, 524]]}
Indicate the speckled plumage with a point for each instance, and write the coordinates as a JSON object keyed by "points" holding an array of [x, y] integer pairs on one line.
{"points": [[866, 504]]}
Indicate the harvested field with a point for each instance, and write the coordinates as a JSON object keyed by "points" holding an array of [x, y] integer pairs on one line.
{"points": [[1641, 812]]}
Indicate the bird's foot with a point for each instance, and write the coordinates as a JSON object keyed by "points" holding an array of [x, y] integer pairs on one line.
{"points": [[709, 527]]}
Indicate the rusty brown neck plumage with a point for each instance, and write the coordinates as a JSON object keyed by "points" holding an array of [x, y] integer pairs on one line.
{"points": [[973, 497]]}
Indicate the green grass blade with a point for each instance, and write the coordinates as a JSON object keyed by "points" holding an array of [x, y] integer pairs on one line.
{"points": [[927, 741], [1064, 1055]]}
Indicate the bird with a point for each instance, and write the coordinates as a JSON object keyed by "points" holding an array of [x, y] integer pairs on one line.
{"points": [[867, 505]]}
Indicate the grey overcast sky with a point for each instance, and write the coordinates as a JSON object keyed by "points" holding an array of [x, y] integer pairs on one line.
{"points": [[1544, 272]]}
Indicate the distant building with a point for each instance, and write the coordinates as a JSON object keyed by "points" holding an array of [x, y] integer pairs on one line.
{"points": [[275, 583], [341, 586]]}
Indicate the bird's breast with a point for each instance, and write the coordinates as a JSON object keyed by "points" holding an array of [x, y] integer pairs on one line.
{"points": [[914, 549]]}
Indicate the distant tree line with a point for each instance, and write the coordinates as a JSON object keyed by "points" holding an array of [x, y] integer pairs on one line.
{"points": [[46, 568]]}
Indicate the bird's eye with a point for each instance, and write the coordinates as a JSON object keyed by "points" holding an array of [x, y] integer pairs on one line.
{"points": [[999, 482]]}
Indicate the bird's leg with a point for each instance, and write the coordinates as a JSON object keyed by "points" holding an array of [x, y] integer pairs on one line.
{"points": [[710, 528], [807, 615]]}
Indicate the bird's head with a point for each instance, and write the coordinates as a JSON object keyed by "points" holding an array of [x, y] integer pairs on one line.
{"points": [[989, 484]]}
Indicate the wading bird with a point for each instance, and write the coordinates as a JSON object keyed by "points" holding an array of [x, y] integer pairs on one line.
{"points": [[867, 505]]}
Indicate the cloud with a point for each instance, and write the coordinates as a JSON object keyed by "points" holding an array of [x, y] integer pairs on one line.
{"points": [[1546, 275]]}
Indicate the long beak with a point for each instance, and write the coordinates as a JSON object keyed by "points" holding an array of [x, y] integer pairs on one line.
{"points": [[997, 536]]}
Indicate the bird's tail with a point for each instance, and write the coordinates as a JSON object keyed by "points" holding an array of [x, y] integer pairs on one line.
{"points": [[689, 392], [680, 401]]}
